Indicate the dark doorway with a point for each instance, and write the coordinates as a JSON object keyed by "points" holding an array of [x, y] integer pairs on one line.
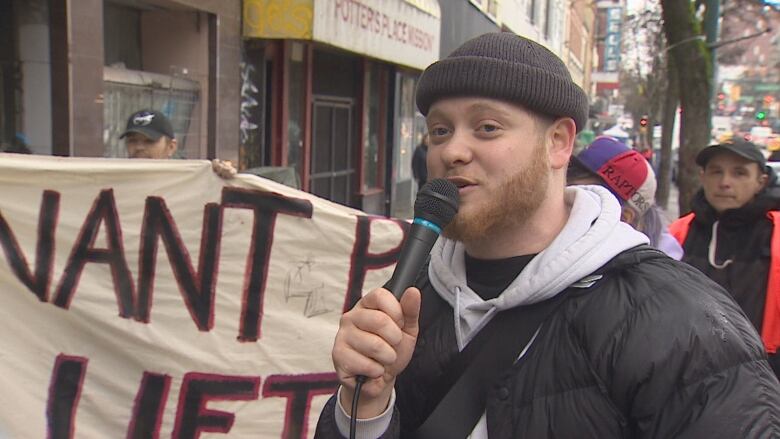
{"points": [[9, 74], [332, 168]]}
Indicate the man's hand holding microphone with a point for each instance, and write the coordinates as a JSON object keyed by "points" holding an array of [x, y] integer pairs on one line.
{"points": [[377, 337]]}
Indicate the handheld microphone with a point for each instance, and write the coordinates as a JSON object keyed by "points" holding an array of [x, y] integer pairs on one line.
{"points": [[435, 206]]}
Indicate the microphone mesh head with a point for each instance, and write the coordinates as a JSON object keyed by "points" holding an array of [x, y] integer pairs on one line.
{"points": [[437, 201]]}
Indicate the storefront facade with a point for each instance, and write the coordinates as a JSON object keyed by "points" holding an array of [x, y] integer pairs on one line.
{"points": [[73, 71], [463, 20], [328, 93]]}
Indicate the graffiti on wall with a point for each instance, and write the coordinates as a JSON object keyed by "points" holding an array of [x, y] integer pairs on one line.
{"points": [[248, 102]]}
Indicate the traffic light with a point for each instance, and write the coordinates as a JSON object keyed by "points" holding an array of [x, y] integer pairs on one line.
{"points": [[643, 122], [760, 115]]}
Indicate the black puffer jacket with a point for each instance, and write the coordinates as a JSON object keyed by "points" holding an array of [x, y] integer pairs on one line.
{"points": [[653, 350], [743, 237]]}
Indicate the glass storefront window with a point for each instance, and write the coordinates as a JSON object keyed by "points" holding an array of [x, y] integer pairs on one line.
{"points": [[403, 185], [295, 102], [406, 129], [26, 104], [372, 141], [127, 91]]}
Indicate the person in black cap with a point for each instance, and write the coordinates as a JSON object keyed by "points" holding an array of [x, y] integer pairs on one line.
{"points": [[149, 135], [565, 322], [733, 233]]}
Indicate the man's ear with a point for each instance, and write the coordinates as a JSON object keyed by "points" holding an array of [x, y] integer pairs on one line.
{"points": [[763, 178], [171, 147], [560, 138]]}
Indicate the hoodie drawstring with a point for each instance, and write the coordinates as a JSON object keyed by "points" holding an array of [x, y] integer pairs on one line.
{"points": [[713, 247], [456, 310]]}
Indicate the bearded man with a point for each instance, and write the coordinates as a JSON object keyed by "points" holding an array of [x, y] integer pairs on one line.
{"points": [[630, 343]]}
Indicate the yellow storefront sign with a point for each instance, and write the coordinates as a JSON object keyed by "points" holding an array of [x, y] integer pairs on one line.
{"points": [[278, 19]]}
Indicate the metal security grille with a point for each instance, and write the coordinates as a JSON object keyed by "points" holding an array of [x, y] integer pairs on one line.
{"points": [[127, 91], [332, 169]]}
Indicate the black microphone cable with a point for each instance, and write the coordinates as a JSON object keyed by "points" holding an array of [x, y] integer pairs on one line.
{"points": [[359, 380], [436, 204]]}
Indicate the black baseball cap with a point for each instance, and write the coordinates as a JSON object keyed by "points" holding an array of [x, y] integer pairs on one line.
{"points": [[738, 146], [150, 123]]}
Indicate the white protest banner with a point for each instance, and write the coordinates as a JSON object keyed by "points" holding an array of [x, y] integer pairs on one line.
{"points": [[147, 299]]}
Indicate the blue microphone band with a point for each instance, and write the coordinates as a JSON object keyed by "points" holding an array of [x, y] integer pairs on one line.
{"points": [[428, 224]]}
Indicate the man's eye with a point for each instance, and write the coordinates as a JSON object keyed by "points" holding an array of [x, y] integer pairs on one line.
{"points": [[438, 132], [488, 128]]}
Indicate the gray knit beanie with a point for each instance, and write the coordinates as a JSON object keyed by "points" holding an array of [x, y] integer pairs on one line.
{"points": [[507, 67]]}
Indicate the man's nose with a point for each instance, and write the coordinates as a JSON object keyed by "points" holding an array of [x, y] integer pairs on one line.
{"points": [[726, 180], [457, 150]]}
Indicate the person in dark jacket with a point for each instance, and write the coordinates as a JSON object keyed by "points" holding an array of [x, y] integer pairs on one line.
{"points": [[419, 165], [638, 345], [729, 233]]}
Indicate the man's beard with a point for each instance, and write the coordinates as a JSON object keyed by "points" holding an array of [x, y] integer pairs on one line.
{"points": [[513, 203]]}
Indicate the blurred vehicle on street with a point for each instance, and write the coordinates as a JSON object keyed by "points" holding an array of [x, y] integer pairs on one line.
{"points": [[720, 125], [760, 135]]}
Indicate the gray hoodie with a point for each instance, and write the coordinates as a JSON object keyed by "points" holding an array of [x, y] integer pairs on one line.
{"points": [[592, 236]]}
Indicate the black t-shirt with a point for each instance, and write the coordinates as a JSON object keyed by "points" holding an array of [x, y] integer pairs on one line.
{"points": [[490, 277]]}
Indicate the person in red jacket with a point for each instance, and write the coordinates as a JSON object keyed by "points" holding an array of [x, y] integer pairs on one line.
{"points": [[732, 234]]}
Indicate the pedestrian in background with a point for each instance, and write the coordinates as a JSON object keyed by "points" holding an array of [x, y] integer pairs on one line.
{"points": [[773, 147], [149, 135], [419, 165], [631, 179], [733, 233], [628, 342]]}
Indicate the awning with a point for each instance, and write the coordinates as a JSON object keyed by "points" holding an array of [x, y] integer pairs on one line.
{"points": [[404, 32]]}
